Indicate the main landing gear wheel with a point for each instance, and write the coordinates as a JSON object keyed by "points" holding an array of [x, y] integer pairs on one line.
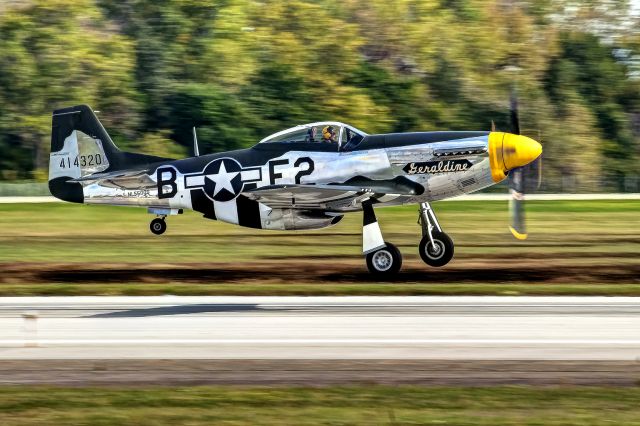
{"points": [[385, 261], [436, 247], [440, 252], [158, 226]]}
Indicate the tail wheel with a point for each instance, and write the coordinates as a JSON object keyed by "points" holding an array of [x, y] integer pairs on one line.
{"points": [[385, 261], [440, 252], [158, 226]]}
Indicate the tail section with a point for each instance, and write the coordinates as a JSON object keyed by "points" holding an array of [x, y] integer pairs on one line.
{"points": [[80, 146]]}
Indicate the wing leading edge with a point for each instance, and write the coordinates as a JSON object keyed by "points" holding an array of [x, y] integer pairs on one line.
{"points": [[321, 197]]}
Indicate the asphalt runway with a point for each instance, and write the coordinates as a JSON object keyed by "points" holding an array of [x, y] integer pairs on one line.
{"points": [[320, 339]]}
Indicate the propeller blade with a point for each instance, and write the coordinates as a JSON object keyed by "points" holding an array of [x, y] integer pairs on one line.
{"points": [[493, 126], [536, 173], [517, 179], [516, 203], [515, 119], [538, 166]]}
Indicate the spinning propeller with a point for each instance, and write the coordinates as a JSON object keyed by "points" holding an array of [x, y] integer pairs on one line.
{"points": [[517, 157], [520, 179]]}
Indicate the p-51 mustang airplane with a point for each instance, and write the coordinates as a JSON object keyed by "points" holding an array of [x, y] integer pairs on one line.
{"points": [[305, 177]]}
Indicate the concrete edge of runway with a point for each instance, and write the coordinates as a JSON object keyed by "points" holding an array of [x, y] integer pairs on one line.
{"points": [[294, 372]]}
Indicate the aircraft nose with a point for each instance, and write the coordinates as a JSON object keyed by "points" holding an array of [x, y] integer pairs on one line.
{"points": [[508, 151], [518, 150]]}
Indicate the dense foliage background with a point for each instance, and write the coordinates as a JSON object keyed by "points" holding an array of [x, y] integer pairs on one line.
{"points": [[240, 70]]}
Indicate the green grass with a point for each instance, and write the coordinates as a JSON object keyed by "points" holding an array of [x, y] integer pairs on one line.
{"points": [[587, 235], [77, 233], [368, 405]]}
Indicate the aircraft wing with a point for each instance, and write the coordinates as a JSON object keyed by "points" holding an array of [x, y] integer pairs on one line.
{"points": [[124, 179], [325, 197]]}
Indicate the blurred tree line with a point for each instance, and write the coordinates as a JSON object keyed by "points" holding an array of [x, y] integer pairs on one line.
{"points": [[239, 70]]}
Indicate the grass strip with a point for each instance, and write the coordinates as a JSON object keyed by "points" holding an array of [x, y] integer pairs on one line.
{"points": [[345, 405]]}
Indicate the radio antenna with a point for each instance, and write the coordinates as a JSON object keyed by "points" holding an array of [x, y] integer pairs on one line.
{"points": [[196, 151]]}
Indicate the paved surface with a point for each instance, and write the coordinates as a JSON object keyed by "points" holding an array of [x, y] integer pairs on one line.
{"points": [[320, 340], [321, 328], [317, 372]]}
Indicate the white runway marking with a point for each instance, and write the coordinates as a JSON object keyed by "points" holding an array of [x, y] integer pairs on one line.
{"points": [[456, 328]]}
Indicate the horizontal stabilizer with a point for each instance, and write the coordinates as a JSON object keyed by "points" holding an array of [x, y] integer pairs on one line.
{"points": [[112, 175], [123, 179]]}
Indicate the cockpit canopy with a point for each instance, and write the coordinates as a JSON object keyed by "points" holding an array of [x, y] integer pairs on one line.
{"points": [[342, 136]]}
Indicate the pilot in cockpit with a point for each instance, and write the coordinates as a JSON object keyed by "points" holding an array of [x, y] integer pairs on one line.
{"points": [[329, 134], [311, 134]]}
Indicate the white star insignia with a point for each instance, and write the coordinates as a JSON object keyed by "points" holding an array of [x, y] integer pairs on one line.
{"points": [[223, 179]]}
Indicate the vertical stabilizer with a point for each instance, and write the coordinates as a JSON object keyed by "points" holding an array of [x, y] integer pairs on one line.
{"points": [[81, 146]]}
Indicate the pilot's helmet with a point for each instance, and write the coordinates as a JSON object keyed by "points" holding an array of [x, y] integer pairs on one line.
{"points": [[328, 133]]}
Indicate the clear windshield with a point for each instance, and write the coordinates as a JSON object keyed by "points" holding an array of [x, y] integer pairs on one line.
{"points": [[312, 134], [350, 139], [334, 133], [300, 135]]}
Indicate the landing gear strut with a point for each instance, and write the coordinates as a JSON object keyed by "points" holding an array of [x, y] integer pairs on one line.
{"points": [[383, 258], [436, 247], [158, 225]]}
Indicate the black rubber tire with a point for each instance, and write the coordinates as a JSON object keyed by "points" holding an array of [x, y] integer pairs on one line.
{"points": [[445, 245], [385, 261], [158, 226]]}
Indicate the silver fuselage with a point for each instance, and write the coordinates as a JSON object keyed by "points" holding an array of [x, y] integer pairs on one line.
{"points": [[442, 169]]}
